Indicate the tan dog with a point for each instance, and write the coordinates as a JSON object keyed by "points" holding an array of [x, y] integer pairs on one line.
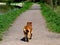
{"points": [[28, 31]]}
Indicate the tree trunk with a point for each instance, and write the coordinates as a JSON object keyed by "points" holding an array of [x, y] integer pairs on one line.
{"points": [[56, 3], [52, 4]]}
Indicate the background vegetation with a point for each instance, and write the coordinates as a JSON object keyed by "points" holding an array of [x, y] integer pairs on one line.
{"points": [[51, 12], [52, 18]]}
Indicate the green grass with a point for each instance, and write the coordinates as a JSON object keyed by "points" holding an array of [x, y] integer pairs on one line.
{"points": [[4, 9], [7, 19], [52, 18], [57, 10]]}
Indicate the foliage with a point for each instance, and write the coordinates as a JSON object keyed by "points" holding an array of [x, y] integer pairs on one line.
{"points": [[52, 19], [5, 0], [7, 19], [57, 10]]}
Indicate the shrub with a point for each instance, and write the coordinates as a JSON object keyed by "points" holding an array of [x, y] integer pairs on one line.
{"points": [[52, 19]]}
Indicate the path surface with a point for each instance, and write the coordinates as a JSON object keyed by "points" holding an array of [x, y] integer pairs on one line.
{"points": [[41, 36]]}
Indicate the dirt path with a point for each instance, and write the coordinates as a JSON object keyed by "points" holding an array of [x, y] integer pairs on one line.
{"points": [[41, 36]]}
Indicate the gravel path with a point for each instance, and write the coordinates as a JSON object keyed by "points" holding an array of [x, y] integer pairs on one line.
{"points": [[41, 36]]}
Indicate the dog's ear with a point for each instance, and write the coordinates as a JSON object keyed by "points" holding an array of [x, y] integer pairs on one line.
{"points": [[29, 22]]}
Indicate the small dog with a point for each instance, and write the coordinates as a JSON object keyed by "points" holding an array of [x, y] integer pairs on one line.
{"points": [[28, 31]]}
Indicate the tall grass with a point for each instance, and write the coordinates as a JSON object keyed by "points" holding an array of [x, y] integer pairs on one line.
{"points": [[7, 19], [57, 10], [52, 19]]}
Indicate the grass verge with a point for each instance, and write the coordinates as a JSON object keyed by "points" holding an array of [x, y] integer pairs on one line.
{"points": [[52, 19], [57, 10], [7, 19]]}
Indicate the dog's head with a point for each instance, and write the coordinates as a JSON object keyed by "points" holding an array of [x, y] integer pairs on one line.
{"points": [[29, 23]]}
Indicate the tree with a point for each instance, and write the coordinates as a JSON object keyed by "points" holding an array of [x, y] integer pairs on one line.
{"points": [[56, 3], [51, 3], [8, 2]]}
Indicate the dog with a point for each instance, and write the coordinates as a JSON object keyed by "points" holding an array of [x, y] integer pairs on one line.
{"points": [[27, 30]]}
